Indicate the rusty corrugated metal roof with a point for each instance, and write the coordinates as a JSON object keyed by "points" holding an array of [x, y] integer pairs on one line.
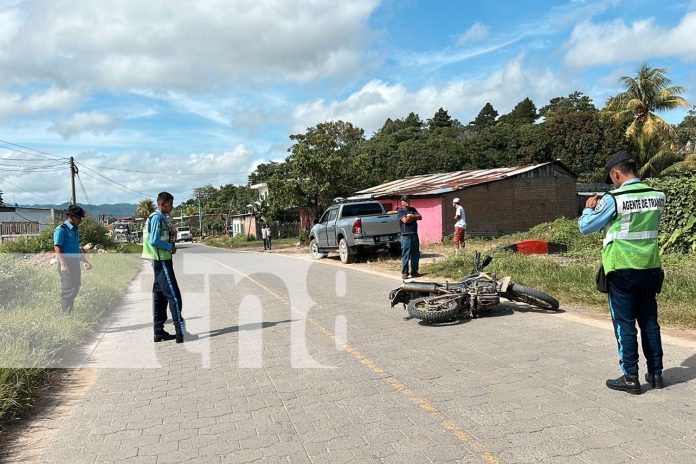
{"points": [[436, 184]]}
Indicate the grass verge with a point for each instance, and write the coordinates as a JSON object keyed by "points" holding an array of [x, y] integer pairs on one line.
{"points": [[570, 277], [32, 329]]}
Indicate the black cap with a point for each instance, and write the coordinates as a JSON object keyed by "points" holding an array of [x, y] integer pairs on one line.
{"points": [[616, 158], [405, 198], [76, 211]]}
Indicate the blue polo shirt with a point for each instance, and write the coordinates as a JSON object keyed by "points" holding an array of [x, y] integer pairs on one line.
{"points": [[67, 238]]}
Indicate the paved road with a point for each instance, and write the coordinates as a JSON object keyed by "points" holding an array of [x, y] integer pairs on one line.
{"points": [[303, 362]]}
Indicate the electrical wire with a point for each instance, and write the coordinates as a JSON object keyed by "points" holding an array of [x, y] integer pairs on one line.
{"points": [[43, 200], [33, 150], [213, 174], [123, 190], [82, 187]]}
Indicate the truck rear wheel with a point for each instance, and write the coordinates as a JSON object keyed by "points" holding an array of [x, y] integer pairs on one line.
{"points": [[314, 250], [346, 253]]}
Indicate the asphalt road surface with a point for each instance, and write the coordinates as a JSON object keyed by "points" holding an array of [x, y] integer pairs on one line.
{"points": [[295, 361]]}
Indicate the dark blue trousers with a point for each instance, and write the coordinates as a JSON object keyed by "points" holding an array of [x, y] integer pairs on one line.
{"points": [[632, 298], [410, 251], [165, 292]]}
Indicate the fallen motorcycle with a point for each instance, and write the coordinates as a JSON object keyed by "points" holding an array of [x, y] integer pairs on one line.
{"points": [[473, 296]]}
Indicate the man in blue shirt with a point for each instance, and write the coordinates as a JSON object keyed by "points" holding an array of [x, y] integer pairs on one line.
{"points": [[66, 246], [410, 245]]}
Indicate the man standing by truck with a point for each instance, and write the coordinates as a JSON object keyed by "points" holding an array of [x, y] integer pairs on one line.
{"points": [[410, 245]]}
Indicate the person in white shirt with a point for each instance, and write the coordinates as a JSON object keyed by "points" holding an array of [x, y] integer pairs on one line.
{"points": [[459, 226], [264, 236]]}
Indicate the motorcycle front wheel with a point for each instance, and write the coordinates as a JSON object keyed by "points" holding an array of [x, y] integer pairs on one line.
{"points": [[442, 308], [532, 296]]}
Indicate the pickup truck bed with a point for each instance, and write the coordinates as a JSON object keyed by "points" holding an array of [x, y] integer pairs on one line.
{"points": [[352, 227]]}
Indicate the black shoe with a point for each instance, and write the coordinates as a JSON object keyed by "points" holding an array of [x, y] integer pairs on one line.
{"points": [[655, 380], [404, 275], [628, 383], [163, 337], [416, 274], [179, 338]]}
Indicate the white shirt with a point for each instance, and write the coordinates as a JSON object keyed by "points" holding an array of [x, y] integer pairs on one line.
{"points": [[264, 233], [462, 217]]}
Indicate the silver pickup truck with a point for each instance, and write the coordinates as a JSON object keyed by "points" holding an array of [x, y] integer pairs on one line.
{"points": [[349, 227]]}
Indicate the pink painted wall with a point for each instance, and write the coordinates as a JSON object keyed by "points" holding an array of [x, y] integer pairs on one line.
{"points": [[430, 227]]}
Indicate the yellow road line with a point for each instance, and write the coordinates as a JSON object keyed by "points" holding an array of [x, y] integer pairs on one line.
{"points": [[425, 405]]}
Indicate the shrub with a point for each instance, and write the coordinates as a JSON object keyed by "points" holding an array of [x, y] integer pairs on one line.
{"points": [[90, 232], [678, 229]]}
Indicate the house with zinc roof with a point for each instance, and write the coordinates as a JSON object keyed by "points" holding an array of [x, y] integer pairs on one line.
{"points": [[496, 201]]}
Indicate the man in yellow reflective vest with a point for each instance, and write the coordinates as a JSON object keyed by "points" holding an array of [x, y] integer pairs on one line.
{"points": [[158, 247], [630, 215]]}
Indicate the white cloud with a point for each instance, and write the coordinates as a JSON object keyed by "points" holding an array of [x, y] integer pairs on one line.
{"points": [[614, 42], [554, 20], [49, 100], [79, 123], [183, 45], [477, 31], [376, 101]]}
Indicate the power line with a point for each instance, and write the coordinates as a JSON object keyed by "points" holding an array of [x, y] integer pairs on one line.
{"points": [[82, 187], [33, 149], [114, 185], [213, 174], [43, 200]]}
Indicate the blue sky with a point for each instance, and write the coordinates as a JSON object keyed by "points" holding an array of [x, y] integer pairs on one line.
{"points": [[172, 94]]}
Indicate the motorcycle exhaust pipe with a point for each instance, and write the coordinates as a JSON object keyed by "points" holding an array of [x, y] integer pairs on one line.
{"points": [[421, 287]]}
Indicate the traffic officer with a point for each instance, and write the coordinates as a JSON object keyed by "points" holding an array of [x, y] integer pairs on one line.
{"points": [[66, 246], [158, 247], [631, 216]]}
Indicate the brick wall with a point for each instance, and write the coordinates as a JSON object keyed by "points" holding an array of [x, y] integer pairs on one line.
{"points": [[511, 205]]}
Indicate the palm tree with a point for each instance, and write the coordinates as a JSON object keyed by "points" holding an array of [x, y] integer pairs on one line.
{"points": [[655, 153], [687, 164], [145, 208], [645, 94]]}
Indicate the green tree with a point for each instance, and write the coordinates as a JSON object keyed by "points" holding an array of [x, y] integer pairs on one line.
{"points": [[263, 172], [686, 131], [440, 119], [145, 208], [485, 118], [575, 102], [524, 112], [643, 96], [583, 142], [321, 166]]}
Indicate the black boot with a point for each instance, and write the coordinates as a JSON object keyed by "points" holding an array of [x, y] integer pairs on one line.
{"points": [[655, 380], [163, 337], [628, 383]]}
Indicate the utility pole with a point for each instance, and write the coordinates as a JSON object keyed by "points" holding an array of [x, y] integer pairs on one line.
{"points": [[73, 172], [200, 216]]}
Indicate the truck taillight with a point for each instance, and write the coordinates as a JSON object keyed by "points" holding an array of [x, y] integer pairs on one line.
{"points": [[357, 227]]}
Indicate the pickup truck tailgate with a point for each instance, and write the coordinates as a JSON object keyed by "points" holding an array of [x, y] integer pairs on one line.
{"points": [[382, 224]]}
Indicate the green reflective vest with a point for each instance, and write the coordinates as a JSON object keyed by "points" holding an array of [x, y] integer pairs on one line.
{"points": [[630, 241], [150, 252]]}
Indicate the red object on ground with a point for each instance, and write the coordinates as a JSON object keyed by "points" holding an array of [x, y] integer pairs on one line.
{"points": [[536, 247]]}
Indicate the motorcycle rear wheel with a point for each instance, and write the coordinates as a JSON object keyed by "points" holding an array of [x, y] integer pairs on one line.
{"points": [[441, 308], [533, 297]]}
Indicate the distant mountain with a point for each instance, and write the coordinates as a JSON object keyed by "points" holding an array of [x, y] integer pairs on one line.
{"points": [[116, 210]]}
